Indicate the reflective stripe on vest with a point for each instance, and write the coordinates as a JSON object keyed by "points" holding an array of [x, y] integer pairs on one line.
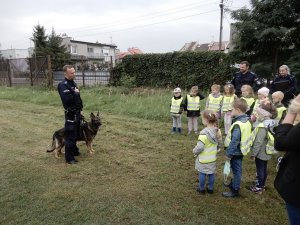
{"points": [[280, 111], [175, 105], [270, 144], [249, 101], [245, 128], [214, 104], [193, 103], [209, 154], [227, 103]]}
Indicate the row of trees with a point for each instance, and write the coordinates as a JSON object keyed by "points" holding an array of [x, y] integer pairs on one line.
{"points": [[50, 44], [268, 35]]}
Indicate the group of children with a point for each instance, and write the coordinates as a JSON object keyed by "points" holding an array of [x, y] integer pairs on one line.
{"points": [[247, 125]]}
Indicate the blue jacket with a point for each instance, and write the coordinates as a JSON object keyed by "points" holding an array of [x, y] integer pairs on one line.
{"points": [[240, 79], [234, 148]]}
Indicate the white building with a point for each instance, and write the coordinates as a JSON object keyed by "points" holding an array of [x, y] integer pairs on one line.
{"points": [[14, 53]]}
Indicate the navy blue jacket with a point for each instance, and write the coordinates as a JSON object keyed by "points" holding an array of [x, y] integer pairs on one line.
{"points": [[286, 84], [71, 100], [240, 79]]}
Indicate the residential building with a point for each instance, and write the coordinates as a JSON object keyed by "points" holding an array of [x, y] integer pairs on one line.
{"points": [[14, 53], [92, 55], [197, 47], [130, 51]]}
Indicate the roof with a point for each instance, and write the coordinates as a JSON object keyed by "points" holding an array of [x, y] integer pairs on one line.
{"points": [[212, 46], [131, 51], [92, 43]]}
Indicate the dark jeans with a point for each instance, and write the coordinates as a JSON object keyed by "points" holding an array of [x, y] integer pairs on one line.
{"points": [[236, 168], [71, 131], [261, 170], [294, 214]]}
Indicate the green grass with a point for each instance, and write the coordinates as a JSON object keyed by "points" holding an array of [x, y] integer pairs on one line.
{"points": [[139, 174]]}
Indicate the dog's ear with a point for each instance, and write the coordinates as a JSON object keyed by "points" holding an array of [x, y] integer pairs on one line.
{"points": [[98, 113], [92, 115]]}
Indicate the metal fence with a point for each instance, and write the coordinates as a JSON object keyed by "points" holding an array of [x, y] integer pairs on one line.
{"points": [[85, 78], [37, 71]]}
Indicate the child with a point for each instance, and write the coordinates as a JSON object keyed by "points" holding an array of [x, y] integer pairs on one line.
{"points": [[281, 109], [226, 108], [237, 145], [214, 100], [192, 107], [263, 143], [209, 140], [262, 97], [248, 96], [176, 110]]}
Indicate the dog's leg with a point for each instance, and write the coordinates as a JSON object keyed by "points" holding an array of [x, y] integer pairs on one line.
{"points": [[58, 148], [89, 147]]}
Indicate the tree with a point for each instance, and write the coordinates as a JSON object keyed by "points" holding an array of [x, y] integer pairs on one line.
{"points": [[268, 33], [50, 45]]}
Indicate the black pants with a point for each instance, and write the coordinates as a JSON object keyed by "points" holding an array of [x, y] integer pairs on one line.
{"points": [[261, 170]]}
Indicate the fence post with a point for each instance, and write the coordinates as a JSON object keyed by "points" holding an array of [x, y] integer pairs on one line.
{"points": [[83, 75], [30, 68], [9, 73], [50, 73]]}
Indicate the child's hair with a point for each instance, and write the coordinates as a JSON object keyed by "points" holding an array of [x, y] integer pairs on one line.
{"points": [[269, 107], [230, 88], [216, 87], [248, 88], [210, 116], [278, 94], [240, 104], [194, 90]]}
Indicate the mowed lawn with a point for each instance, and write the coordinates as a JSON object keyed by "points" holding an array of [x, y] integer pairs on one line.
{"points": [[139, 174]]}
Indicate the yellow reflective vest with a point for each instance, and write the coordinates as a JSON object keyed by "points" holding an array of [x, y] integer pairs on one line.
{"points": [[249, 101], [280, 111], [213, 103], [227, 103], [193, 103], [209, 154], [270, 144], [175, 105], [245, 128]]}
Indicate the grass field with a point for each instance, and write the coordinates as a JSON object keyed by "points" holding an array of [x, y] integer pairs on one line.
{"points": [[139, 174]]}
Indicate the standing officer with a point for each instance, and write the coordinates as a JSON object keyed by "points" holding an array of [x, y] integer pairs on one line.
{"points": [[245, 76], [70, 97]]}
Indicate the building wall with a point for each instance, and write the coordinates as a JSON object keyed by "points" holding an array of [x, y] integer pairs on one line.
{"points": [[15, 53]]}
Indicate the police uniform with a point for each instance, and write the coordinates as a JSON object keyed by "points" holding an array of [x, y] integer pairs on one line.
{"points": [[287, 84], [72, 103], [240, 79]]}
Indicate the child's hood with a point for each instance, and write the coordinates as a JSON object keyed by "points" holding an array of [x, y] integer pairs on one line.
{"points": [[211, 133]]}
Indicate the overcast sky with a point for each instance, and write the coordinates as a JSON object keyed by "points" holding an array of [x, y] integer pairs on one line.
{"points": [[154, 26]]}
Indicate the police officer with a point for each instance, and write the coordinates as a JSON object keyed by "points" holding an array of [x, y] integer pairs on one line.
{"points": [[245, 77], [286, 83], [70, 97]]}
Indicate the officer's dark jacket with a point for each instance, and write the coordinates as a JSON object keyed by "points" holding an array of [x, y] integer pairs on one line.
{"points": [[240, 79], [286, 84], [70, 99]]}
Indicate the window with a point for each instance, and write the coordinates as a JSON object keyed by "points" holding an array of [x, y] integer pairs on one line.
{"points": [[91, 50], [73, 49]]}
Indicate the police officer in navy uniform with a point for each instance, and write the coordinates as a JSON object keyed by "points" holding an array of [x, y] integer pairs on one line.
{"points": [[286, 83], [70, 97], [244, 76]]}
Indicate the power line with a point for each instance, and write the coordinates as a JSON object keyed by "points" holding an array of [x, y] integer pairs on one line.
{"points": [[141, 26], [144, 17]]}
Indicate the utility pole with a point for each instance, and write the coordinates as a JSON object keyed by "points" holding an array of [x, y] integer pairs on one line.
{"points": [[221, 25]]}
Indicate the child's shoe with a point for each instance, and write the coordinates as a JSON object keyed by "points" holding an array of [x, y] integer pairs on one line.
{"points": [[257, 190], [209, 191], [202, 192], [174, 130], [179, 130]]}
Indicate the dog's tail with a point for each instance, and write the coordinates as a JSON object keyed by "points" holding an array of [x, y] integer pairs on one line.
{"points": [[53, 145]]}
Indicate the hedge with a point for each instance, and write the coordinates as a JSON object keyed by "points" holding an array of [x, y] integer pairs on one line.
{"points": [[183, 69]]}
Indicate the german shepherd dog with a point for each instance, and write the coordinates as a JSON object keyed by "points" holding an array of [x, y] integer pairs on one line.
{"points": [[88, 131]]}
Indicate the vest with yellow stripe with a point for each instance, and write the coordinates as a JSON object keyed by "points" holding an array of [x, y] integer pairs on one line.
{"points": [[280, 111], [213, 103], [245, 128], [227, 103], [193, 103], [249, 101], [209, 154], [175, 105], [270, 144]]}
